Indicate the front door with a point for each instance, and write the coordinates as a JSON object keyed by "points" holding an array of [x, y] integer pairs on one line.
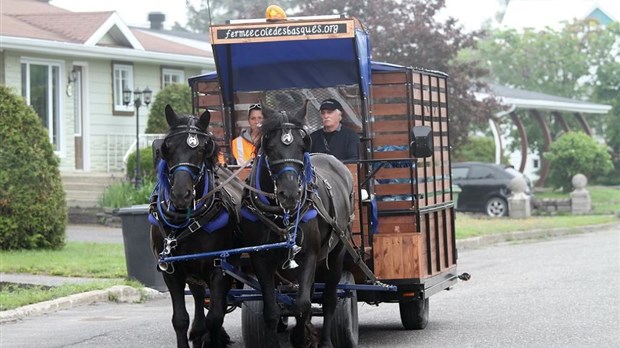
{"points": [[78, 112]]}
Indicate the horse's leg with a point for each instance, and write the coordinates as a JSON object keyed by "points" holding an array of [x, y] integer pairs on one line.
{"points": [[303, 303], [180, 317], [330, 298], [218, 286], [265, 268], [199, 328]]}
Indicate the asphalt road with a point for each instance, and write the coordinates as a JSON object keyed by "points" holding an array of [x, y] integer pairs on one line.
{"points": [[563, 292]]}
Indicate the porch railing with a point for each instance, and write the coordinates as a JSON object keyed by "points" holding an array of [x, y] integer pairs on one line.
{"points": [[111, 151]]}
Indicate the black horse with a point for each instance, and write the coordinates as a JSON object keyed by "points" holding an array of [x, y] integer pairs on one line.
{"points": [[301, 198], [190, 216]]}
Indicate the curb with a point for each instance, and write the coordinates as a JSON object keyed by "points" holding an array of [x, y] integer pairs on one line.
{"points": [[478, 242], [117, 293]]}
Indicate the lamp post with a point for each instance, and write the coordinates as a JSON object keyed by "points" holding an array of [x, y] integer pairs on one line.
{"points": [[137, 103]]}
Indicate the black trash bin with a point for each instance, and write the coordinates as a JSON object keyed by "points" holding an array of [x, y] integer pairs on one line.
{"points": [[141, 264]]}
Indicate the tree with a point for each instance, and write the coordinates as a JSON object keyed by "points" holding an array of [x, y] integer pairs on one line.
{"points": [[576, 61], [562, 63], [575, 153], [476, 148], [406, 33], [570, 62], [179, 96], [607, 90]]}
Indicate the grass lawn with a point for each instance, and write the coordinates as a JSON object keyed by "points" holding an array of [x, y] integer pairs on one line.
{"points": [[76, 259], [478, 225], [17, 295]]}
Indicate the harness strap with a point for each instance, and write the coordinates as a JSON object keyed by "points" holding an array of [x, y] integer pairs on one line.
{"points": [[197, 224], [220, 186], [250, 204]]}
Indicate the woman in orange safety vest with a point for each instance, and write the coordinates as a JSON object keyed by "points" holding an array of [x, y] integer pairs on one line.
{"points": [[243, 145]]}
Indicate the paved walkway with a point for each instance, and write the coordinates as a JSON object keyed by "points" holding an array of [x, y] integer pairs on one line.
{"points": [[94, 233]]}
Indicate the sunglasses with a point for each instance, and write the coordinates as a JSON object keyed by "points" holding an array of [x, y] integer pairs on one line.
{"points": [[255, 107]]}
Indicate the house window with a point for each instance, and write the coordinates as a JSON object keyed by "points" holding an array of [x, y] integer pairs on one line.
{"points": [[41, 89], [535, 163], [123, 78], [170, 76]]}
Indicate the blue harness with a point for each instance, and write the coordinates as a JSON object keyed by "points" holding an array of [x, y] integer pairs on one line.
{"points": [[310, 214], [161, 194]]}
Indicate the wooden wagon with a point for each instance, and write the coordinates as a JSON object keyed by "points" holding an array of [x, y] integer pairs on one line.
{"points": [[403, 248]]}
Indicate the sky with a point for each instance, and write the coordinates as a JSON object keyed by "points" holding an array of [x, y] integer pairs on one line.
{"points": [[471, 13]]}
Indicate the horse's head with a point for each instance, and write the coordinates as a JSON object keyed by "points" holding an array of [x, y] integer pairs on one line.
{"points": [[285, 146], [189, 150]]}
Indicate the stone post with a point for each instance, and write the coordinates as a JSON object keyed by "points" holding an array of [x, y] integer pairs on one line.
{"points": [[580, 197], [519, 201]]}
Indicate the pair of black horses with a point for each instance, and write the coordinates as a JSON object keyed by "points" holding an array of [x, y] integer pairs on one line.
{"points": [[290, 195]]}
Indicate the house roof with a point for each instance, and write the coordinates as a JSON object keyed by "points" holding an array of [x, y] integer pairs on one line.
{"points": [[538, 14], [520, 98], [38, 26], [70, 27]]}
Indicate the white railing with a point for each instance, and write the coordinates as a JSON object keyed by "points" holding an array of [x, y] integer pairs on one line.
{"points": [[110, 151]]}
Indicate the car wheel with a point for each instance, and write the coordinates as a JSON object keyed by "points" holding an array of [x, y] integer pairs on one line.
{"points": [[497, 206]]}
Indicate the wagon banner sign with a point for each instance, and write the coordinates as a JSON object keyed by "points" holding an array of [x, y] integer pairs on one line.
{"points": [[228, 34]]}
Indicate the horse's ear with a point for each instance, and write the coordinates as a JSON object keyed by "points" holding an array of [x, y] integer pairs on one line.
{"points": [[204, 120], [301, 113], [171, 116], [268, 112]]}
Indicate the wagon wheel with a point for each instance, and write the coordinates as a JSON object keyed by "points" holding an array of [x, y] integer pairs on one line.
{"points": [[414, 313], [253, 324], [345, 329]]}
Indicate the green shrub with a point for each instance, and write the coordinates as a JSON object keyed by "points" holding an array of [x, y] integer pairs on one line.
{"points": [[477, 149], [125, 194], [574, 153], [33, 213], [179, 96], [147, 168]]}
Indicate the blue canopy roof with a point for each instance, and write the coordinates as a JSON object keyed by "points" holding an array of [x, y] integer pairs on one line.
{"points": [[285, 63], [256, 83]]}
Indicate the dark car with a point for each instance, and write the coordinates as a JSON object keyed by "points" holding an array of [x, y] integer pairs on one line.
{"points": [[484, 187]]}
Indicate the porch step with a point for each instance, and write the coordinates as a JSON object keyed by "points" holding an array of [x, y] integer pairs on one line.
{"points": [[84, 189]]}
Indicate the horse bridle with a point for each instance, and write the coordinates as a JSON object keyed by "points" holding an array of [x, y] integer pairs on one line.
{"points": [[305, 176], [192, 131]]}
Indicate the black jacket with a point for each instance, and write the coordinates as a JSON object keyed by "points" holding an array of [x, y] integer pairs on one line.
{"points": [[343, 143]]}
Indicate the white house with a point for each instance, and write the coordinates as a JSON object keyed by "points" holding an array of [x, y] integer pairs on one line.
{"points": [[73, 66]]}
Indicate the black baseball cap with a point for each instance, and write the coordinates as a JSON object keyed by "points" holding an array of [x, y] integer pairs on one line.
{"points": [[331, 104]]}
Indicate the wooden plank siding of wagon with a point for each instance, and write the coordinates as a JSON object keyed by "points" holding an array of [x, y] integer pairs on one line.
{"points": [[415, 239]]}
